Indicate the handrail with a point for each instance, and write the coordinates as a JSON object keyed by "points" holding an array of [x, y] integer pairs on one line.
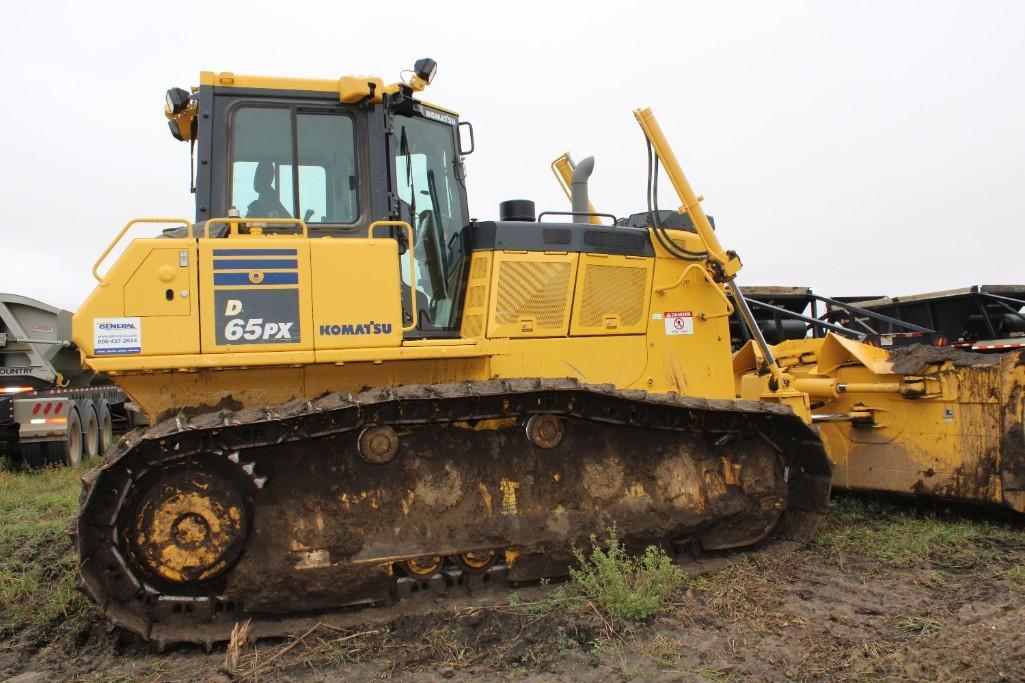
{"points": [[110, 247], [233, 223], [592, 216], [412, 262], [815, 322], [856, 311], [708, 278], [562, 169], [1002, 300]]}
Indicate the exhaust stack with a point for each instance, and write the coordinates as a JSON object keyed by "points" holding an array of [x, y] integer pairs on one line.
{"points": [[578, 189]]}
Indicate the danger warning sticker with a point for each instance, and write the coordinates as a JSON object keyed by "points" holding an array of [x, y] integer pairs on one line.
{"points": [[679, 322]]}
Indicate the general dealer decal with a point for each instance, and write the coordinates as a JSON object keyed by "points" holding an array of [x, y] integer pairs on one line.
{"points": [[679, 322], [113, 336]]}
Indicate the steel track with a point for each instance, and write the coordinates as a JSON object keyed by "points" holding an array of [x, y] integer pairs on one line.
{"points": [[129, 600]]}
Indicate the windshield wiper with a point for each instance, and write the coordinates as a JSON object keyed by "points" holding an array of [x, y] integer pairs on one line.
{"points": [[404, 151]]}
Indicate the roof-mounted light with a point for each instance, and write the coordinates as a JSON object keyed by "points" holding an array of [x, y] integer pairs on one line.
{"points": [[177, 100], [180, 110], [425, 69]]}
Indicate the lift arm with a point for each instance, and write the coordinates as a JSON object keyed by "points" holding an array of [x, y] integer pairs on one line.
{"points": [[728, 263]]}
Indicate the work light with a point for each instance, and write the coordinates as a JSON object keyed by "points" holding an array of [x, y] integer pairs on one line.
{"points": [[425, 69], [177, 99]]}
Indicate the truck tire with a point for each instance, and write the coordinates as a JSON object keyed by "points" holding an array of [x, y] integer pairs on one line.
{"points": [[105, 425], [90, 430], [69, 451]]}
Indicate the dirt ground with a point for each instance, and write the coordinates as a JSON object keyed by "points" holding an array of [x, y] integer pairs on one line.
{"points": [[889, 590]]}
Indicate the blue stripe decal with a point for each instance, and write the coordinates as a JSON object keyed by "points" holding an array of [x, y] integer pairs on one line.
{"points": [[256, 264], [255, 252], [268, 279]]}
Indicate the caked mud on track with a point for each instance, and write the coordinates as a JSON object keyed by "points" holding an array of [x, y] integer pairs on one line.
{"points": [[277, 514]]}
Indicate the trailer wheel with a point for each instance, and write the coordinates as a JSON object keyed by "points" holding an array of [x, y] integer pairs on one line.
{"points": [[69, 451], [105, 423], [90, 431]]}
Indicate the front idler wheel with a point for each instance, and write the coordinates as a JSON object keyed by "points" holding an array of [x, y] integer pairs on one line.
{"points": [[188, 527]]}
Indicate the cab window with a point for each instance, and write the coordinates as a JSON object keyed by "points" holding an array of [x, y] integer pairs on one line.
{"points": [[314, 178]]}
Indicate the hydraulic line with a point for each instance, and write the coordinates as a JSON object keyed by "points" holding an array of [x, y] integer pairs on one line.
{"points": [[660, 232], [691, 203]]}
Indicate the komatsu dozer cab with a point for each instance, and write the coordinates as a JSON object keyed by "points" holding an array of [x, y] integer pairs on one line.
{"points": [[357, 392]]}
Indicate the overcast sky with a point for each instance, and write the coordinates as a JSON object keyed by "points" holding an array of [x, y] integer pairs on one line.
{"points": [[859, 147]]}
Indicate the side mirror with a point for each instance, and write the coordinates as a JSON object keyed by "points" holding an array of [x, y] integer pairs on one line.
{"points": [[459, 131]]}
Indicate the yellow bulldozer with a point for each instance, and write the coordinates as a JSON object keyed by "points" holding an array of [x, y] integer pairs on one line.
{"points": [[357, 393]]}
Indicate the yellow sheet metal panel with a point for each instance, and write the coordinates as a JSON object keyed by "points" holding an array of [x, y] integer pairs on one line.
{"points": [[382, 354], [255, 294], [164, 394], [475, 308], [354, 377], [344, 86], [356, 293], [228, 79], [531, 294], [620, 359], [161, 285], [160, 394], [612, 295], [130, 315], [687, 333]]}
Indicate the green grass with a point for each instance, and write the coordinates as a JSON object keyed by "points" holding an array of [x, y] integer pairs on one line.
{"points": [[37, 564], [1016, 575], [904, 537], [624, 586], [920, 626]]}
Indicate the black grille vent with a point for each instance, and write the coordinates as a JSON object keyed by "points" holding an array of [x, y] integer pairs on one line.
{"points": [[614, 240], [558, 236]]}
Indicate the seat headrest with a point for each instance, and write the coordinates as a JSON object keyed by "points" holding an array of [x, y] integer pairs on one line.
{"points": [[263, 179]]}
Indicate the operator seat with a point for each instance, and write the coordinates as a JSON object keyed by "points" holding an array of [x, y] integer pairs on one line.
{"points": [[267, 204]]}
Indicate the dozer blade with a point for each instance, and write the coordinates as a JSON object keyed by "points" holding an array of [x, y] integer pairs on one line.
{"points": [[926, 421], [271, 514]]}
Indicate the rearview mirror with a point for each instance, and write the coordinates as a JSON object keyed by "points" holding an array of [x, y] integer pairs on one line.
{"points": [[459, 131]]}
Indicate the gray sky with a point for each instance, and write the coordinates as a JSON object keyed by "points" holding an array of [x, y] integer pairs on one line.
{"points": [[859, 147]]}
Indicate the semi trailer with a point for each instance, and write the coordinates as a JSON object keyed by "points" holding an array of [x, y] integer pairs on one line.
{"points": [[980, 318], [52, 409]]}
